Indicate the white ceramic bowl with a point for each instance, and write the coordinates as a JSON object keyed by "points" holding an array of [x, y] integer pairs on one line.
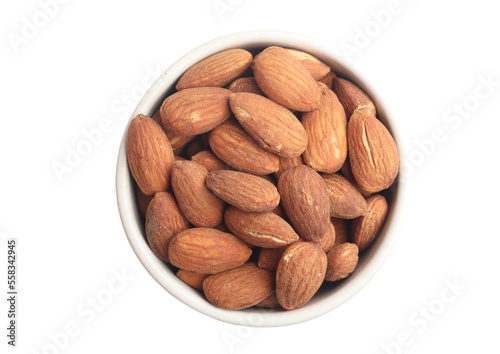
{"points": [[330, 295]]}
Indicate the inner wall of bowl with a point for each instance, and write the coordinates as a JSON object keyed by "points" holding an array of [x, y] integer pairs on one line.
{"points": [[326, 299]]}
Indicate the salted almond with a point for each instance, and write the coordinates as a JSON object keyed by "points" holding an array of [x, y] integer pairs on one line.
{"points": [[246, 84], [305, 199], [239, 288], [196, 110], [313, 65], [243, 190], [365, 229], [345, 200], [149, 154], [373, 153], [200, 206], [341, 227], [259, 229], [274, 127], [288, 162], [216, 70], [233, 145], [285, 80], [206, 250], [326, 129], [208, 160], [352, 97], [342, 260], [301, 271], [192, 279]]}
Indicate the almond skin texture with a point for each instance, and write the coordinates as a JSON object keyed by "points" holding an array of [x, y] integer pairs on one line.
{"points": [[270, 257], [328, 241], [246, 84], [260, 229], [274, 127], [347, 173], [301, 271], [206, 250], [313, 65], [345, 200], [305, 199], [373, 153], [196, 110], [149, 154], [192, 279], [270, 302], [239, 288], [342, 260], [288, 162], [328, 79], [341, 230], [352, 97], [200, 206], [208, 160], [216, 70], [243, 190], [365, 229], [164, 220], [285, 80], [326, 129], [233, 145]]}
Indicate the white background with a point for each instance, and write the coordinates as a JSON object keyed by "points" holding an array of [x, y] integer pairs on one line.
{"points": [[79, 69]]}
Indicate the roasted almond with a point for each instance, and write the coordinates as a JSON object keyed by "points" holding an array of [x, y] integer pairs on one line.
{"points": [[341, 227], [328, 79], [246, 84], [260, 229], [288, 162], [206, 250], [216, 70], [270, 257], [347, 173], [342, 260], [328, 241], [285, 80], [208, 160], [345, 200], [200, 206], [270, 302], [149, 154], [313, 65], [243, 190], [352, 97], [195, 110], [305, 199], [365, 229], [326, 129], [300, 273], [274, 127], [192, 279]]}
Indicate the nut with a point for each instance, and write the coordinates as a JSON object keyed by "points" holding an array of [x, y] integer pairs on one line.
{"points": [[366, 228], [342, 260]]}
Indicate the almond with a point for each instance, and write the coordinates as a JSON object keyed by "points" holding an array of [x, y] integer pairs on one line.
{"points": [[238, 149], [305, 199], [328, 79], [288, 162], [196, 110], [285, 80], [208, 160], [270, 302], [352, 97], [328, 241], [275, 128], [216, 70], [149, 154], [347, 173], [206, 250], [326, 129], [246, 84], [260, 229], [270, 257], [164, 220], [313, 65], [200, 206], [243, 190], [366, 228], [345, 200], [341, 227], [373, 153], [239, 288], [192, 279], [300, 273], [342, 260]]}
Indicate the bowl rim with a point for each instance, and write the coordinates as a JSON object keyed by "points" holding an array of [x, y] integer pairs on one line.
{"points": [[130, 218]]}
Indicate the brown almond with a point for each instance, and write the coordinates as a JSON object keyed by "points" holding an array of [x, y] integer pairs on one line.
{"points": [[342, 260], [326, 129], [373, 153], [347, 173], [274, 127], [164, 220], [270, 302], [305, 199], [246, 84], [328, 241], [200, 206], [206, 250], [270, 257], [341, 227], [216, 70], [288, 162], [352, 97], [192, 279], [239, 288], [196, 110], [328, 79], [260, 229], [313, 65], [243, 190], [345, 200], [365, 229], [285, 80], [208, 160], [233, 145], [300, 273], [149, 154]]}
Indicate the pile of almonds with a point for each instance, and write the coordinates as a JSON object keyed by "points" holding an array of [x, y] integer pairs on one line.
{"points": [[259, 178]]}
